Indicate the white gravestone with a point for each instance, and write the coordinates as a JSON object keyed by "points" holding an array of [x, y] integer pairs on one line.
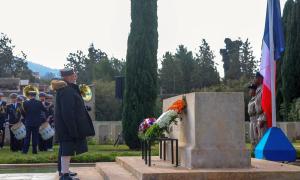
{"points": [[212, 131]]}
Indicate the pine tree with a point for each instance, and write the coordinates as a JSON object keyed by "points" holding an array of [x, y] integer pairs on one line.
{"points": [[94, 57], [11, 65], [77, 62], [185, 60], [205, 72], [290, 70], [141, 69], [248, 62], [168, 74]]}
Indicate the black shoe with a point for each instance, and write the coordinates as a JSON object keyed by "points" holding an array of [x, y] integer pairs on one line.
{"points": [[70, 174], [73, 173], [68, 177]]}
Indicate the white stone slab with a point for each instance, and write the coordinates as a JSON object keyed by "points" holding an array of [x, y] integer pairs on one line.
{"points": [[212, 131]]}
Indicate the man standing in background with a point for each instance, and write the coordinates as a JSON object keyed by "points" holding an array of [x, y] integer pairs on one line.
{"points": [[3, 117], [32, 110], [253, 132], [261, 118], [44, 117], [14, 111], [50, 119]]}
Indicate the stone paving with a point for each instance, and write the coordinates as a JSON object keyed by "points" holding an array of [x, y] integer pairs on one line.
{"points": [[84, 173], [28, 176]]}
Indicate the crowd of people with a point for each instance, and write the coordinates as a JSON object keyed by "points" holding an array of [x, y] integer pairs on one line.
{"points": [[32, 113], [71, 121]]}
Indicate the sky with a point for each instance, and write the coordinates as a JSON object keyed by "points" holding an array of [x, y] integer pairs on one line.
{"points": [[48, 30]]}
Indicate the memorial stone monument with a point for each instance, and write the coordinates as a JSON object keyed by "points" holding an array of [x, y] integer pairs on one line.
{"points": [[212, 131], [212, 145]]}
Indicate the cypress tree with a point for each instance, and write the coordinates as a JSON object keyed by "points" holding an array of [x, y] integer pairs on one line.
{"points": [[141, 69], [285, 22], [290, 70]]}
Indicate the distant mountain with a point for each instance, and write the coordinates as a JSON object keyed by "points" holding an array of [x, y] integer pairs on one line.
{"points": [[42, 70]]}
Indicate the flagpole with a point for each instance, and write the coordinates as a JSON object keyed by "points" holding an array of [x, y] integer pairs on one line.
{"points": [[272, 61]]}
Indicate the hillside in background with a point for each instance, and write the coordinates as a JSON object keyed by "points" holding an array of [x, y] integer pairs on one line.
{"points": [[43, 70]]}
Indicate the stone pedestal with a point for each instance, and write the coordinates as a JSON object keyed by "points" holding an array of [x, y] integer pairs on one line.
{"points": [[212, 131]]}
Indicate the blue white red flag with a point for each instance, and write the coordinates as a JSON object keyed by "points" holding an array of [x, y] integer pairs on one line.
{"points": [[272, 47]]}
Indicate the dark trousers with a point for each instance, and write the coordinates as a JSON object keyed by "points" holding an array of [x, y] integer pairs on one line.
{"points": [[2, 138], [15, 144], [42, 144], [34, 133], [59, 158], [49, 143]]}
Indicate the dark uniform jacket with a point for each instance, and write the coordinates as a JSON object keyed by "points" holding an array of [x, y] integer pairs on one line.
{"points": [[14, 112], [3, 114], [33, 110], [72, 121], [51, 114]]}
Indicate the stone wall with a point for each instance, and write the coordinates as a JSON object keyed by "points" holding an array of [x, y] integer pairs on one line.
{"points": [[107, 131], [290, 129], [9, 84]]}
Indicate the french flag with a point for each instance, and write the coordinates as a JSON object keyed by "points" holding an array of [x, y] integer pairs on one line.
{"points": [[272, 48], [274, 145]]}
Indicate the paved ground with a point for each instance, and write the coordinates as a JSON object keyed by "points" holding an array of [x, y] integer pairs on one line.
{"points": [[87, 173], [28, 176], [84, 173]]}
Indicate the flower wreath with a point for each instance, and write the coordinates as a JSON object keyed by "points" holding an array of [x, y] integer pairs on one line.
{"points": [[151, 128]]}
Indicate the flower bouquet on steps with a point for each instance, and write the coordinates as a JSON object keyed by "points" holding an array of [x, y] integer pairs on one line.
{"points": [[151, 128]]}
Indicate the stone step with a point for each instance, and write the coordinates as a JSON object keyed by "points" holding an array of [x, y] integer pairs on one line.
{"points": [[164, 170], [113, 171]]}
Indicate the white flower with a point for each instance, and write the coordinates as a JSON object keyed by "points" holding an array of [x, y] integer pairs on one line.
{"points": [[165, 119]]}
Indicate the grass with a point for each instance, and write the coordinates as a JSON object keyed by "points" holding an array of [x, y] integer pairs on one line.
{"points": [[97, 153]]}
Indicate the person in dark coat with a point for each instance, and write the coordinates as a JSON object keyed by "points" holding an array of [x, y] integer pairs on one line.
{"points": [[72, 121], [3, 116], [20, 100], [32, 110], [50, 119], [44, 116], [14, 112]]}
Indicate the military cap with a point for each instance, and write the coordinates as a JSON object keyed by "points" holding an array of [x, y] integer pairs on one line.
{"points": [[66, 72], [257, 75], [1, 94], [42, 94], [252, 86], [49, 96], [20, 98], [32, 93], [13, 96]]}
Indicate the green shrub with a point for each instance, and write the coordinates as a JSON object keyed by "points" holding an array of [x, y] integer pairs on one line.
{"points": [[92, 141]]}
